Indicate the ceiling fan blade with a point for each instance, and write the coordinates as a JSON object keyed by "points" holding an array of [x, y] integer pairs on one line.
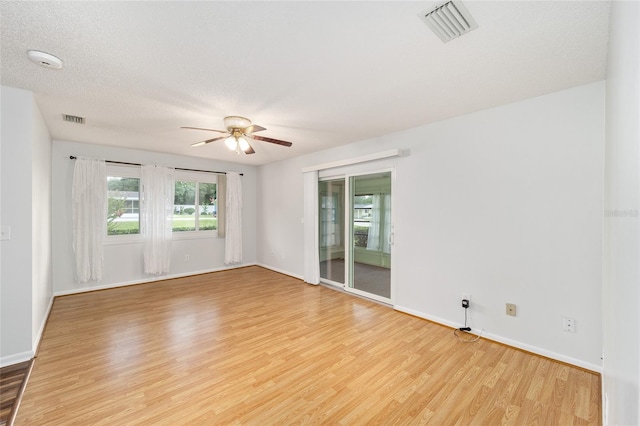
{"points": [[253, 128], [202, 128], [276, 141], [207, 141], [250, 150]]}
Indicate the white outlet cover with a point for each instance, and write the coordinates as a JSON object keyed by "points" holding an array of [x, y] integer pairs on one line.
{"points": [[569, 324]]}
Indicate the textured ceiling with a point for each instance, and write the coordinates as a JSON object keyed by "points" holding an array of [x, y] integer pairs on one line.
{"points": [[318, 74]]}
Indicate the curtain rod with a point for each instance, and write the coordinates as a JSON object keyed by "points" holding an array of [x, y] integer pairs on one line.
{"points": [[73, 157]]}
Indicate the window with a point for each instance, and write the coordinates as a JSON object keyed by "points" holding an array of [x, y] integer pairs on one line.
{"points": [[194, 210], [123, 204], [329, 225], [195, 203], [362, 206]]}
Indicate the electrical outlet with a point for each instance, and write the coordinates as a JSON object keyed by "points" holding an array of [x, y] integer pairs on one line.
{"points": [[569, 324], [466, 302], [187, 258], [511, 309]]}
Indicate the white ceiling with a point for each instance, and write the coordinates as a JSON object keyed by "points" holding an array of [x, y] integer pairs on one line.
{"points": [[318, 74]]}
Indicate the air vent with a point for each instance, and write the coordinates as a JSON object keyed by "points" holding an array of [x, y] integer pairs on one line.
{"points": [[73, 118], [449, 20]]}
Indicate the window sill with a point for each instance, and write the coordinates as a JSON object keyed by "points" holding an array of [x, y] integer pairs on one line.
{"points": [[123, 239], [193, 235], [177, 236]]}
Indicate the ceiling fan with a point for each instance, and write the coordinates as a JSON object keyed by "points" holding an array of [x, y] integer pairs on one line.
{"points": [[239, 130]]}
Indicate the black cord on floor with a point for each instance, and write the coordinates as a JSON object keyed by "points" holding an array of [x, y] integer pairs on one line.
{"points": [[465, 331]]}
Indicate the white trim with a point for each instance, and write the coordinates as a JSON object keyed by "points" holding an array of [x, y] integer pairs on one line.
{"points": [[332, 284], [123, 239], [194, 235], [15, 358], [355, 160], [509, 342], [45, 318], [310, 221], [367, 295], [280, 271], [150, 279]]}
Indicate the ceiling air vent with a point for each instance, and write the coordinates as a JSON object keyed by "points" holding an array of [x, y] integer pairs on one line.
{"points": [[73, 118], [449, 20]]}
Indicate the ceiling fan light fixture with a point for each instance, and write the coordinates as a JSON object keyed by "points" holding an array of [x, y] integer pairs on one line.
{"points": [[239, 131], [231, 143], [244, 145]]}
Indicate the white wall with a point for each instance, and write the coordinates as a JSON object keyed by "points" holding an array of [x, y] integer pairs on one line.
{"points": [[621, 287], [280, 233], [26, 258], [505, 204], [123, 262]]}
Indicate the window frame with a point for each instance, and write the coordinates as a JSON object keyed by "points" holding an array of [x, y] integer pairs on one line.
{"points": [[124, 171], [198, 177], [365, 219]]}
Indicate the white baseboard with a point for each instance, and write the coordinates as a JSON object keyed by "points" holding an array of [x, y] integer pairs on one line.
{"points": [[45, 318], [149, 280], [281, 271], [15, 358], [26, 356], [509, 342]]}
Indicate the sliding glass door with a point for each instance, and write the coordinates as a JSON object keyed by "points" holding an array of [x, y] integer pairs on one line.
{"points": [[332, 230], [355, 230], [371, 235]]}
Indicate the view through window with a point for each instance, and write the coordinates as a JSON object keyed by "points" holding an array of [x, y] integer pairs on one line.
{"points": [[195, 206], [194, 210], [123, 211]]}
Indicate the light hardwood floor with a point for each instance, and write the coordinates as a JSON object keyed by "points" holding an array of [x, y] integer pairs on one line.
{"points": [[251, 346]]}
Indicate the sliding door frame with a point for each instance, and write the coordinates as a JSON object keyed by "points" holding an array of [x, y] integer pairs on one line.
{"points": [[349, 234], [344, 231]]}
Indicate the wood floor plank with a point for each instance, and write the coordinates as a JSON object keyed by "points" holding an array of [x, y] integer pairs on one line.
{"points": [[251, 346], [13, 379]]}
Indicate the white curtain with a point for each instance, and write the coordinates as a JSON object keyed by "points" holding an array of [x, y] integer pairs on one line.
{"points": [[156, 209], [327, 226], [386, 245], [233, 222], [373, 240], [311, 231], [89, 216]]}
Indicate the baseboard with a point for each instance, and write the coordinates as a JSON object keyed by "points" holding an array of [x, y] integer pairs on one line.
{"points": [[509, 342], [26, 356], [16, 358], [149, 280], [45, 319], [280, 271]]}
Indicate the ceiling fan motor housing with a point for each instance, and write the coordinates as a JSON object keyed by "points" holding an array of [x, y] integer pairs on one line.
{"points": [[236, 122]]}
